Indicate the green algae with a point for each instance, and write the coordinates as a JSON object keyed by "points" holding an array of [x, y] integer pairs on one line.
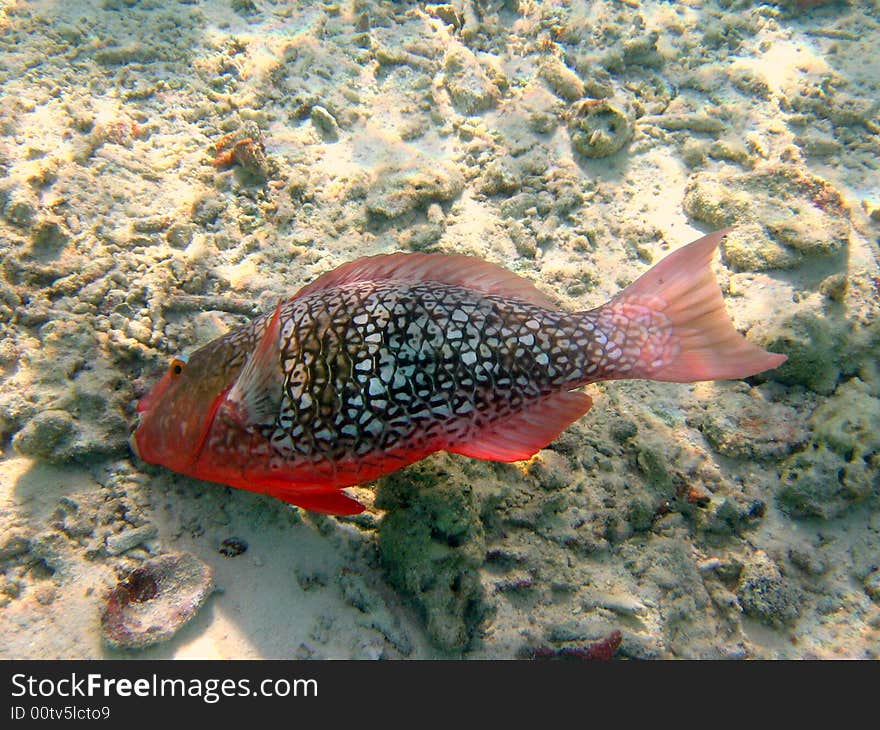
{"points": [[840, 466], [431, 547]]}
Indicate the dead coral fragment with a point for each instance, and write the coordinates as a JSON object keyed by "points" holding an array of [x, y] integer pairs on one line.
{"points": [[782, 213], [598, 128], [470, 87], [400, 190], [155, 601]]}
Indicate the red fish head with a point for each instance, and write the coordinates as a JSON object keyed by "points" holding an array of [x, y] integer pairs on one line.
{"points": [[176, 415]]}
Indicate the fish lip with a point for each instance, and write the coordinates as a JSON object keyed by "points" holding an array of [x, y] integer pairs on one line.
{"points": [[132, 444], [132, 433]]}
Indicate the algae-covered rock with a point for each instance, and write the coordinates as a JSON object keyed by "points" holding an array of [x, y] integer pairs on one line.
{"points": [[45, 435], [471, 89], [431, 546], [18, 207], [815, 346], [826, 340], [325, 122], [565, 83], [849, 422], [750, 427], [244, 7], [640, 515], [872, 585], [820, 483], [729, 515], [13, 544], [121, 542], [840, 468], [642, 51], [49, 237], [765, 594], [748, 248], [688, 121], [816, 100], [501, 176], [652, 464], [598, 127], [399, 190], [783, 215], [84, 428], [669, 567]]}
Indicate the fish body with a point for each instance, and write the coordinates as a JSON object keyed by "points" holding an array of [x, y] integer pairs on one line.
{"points": [[391, 358]]}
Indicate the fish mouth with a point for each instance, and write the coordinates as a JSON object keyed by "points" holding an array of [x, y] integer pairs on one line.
{"points": [[132, 433]]}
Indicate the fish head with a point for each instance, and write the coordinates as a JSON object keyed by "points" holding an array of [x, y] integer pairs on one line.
{"points": [[176, 415]]}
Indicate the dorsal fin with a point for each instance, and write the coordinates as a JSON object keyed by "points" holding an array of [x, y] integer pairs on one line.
{"points": [[521, 436], [255, 396], [466, 271]]}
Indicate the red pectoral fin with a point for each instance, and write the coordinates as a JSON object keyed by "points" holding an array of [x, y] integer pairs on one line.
{"points": [[521, 436]]}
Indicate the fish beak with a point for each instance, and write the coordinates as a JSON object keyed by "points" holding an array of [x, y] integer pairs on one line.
{"points": [[132, 441]]}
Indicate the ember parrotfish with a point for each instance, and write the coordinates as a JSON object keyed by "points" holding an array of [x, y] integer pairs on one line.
{"points": [[389, 358]]}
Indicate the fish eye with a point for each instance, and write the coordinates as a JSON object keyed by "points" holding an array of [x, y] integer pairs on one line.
{"points": [[177, 365]]}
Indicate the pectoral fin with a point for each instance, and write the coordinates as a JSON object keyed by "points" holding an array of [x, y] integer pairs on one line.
{"points": [[255, 397]]}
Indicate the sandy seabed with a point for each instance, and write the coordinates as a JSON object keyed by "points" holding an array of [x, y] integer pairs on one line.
{"points": [[169, 169]]}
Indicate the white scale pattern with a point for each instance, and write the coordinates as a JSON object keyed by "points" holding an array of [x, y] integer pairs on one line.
{"points": [[371, 367]]}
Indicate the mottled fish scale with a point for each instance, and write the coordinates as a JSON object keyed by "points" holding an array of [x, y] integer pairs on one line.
{"points": [[369, 367]]}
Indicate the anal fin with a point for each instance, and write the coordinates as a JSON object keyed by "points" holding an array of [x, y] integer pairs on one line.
{"points": [[526, 433], [333, 502]]}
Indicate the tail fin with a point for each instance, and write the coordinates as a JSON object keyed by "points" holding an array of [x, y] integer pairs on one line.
{"points": [[682, 331]]}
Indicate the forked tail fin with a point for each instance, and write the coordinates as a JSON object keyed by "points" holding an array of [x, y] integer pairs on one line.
{"points": [[676, 326]]}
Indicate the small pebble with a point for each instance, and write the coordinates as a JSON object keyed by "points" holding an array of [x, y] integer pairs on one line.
{"points": [[325, 123], [232, 547]]}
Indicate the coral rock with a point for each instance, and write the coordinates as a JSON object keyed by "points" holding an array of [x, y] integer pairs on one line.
{"points": [[598, 128], [155, 601], [764, 593], [783, 215], [470, 87]]}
